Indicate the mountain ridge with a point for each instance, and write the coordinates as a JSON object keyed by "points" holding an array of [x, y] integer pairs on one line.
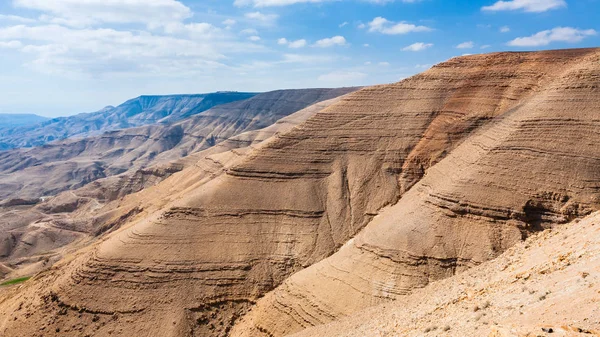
{"points": [[139, 111]]}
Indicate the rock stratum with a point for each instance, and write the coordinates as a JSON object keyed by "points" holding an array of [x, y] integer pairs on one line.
{"points": [[389, 189], [33, 232]]}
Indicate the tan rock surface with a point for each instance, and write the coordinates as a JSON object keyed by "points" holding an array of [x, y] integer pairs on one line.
{"points": [[497, 138], [548, 285]]}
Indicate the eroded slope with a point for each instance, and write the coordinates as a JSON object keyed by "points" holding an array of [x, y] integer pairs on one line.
{"points": [[210, 253]]}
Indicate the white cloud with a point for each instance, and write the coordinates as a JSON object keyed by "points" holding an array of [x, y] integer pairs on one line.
{"points": [[535, 6], [98, 52], [254, 38], [418, 46], [558, 34], [249, 31], [423, 66], [366, 45], [82, 13], [330, 42], [292, 44], [368, 63], [504, 29], [342, 77], [465, 45], [343, 24], [229, 22], [297, 44], [16, 18], [11, 44], [485, 46], [384, 26], [384, 64], [265, 19]]}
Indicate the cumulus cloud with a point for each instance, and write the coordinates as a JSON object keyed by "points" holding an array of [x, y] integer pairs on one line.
{"points": [[96, 52], [418, 46], [229, 22], [301, 43], [81, 13], [297, 44], [384, 26], [466, 45], [254, 38], [265, 19], [330, 42], [504, 29], [558, 34], [11, 44], [16, 18], [535, 6]]}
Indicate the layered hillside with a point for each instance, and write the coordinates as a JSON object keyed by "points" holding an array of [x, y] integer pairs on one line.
{"points": [[546, 286], [32, 238], [389, 189], [139, 111], [29, 174]]}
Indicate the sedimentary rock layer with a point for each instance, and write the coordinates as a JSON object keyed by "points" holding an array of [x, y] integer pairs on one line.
{"points": [[435, 174]]}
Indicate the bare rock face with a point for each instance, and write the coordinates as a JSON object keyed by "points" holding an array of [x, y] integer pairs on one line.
{"points": [[389, 189], [99, 207]]}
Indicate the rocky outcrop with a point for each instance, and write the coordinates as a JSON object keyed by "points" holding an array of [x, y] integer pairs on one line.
{"points": [[546, 286], [389, 189]]}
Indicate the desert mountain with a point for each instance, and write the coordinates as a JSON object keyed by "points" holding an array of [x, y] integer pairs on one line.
{"points": [[32, 236], [12, 120], [28, 174], [139, 111], [387, 190]]}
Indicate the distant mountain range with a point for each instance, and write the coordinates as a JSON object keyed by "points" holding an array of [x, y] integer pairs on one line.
{"points": [[12, 120], [136, 112], [72, 163]]}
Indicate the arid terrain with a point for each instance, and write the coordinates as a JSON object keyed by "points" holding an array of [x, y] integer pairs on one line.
{"points": [[461, 201]]}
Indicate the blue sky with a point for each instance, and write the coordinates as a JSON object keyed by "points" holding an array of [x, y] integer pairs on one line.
{"points": [[60, 57]]}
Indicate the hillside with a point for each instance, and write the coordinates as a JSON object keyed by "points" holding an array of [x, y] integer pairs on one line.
{"points": [[545, 286], [139, 111], [389, 189], [34, 237], [62, 165]]}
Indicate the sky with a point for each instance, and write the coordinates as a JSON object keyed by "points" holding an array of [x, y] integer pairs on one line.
{"points": [[61, 57]]}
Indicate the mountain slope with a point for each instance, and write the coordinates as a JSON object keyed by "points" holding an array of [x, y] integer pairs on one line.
{"points": [[31, 173], [29, 234], [527, 170], [436, 174], [139, 111], [545, 286]]}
